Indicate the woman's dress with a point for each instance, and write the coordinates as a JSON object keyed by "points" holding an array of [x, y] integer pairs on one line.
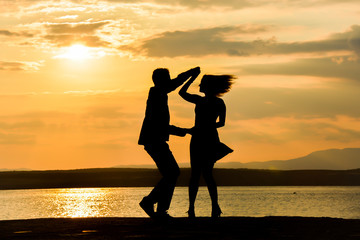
{"points": [[205, 145]]}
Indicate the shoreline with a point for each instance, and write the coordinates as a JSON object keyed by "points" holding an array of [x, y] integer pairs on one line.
{"points": [[182, 228]]}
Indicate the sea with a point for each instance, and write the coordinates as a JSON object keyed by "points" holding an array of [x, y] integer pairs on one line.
{"points": [[321, 201]]}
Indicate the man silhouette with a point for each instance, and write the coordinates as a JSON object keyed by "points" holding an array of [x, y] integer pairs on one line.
{"points": [[154, 136]]}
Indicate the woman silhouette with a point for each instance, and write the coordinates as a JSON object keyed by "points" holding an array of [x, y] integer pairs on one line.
{"points": [[205, 145]]}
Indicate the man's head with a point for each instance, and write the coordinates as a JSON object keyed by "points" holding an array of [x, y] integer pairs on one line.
{"points": [[161, 77]]}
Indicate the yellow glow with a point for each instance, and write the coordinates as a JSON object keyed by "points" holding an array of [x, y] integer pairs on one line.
{"points": [[82, 202], [76, 52]]}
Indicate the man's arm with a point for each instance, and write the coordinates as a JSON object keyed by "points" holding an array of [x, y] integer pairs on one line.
{"points": [[177, 131], [182, 77]]}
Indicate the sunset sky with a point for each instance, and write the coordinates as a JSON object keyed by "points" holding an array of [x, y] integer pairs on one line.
{"points": [[75, 76]]}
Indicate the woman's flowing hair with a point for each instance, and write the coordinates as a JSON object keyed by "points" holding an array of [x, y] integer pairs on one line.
{"points": [[218, 84]]}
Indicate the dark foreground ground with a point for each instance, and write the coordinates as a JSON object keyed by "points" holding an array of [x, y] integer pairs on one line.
{"points": [[182, 228]]}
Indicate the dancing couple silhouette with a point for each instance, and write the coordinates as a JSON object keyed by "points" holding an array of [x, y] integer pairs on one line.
{"points": [[205, 145]]}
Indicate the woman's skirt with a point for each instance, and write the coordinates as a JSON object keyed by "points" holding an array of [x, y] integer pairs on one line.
{"points": [[205, 146]]}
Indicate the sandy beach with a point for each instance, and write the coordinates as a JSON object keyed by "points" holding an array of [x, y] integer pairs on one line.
{"points": [[182, 228]]}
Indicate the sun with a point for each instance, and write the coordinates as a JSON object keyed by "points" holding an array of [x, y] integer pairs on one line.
{"points": [[76, 52]]}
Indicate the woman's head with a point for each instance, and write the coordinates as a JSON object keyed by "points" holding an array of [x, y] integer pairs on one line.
{"points": [[216, 84]]}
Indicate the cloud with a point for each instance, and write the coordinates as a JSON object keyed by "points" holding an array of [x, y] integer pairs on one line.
{"points": [[214, 41], [34, 124], [200, 42], [20, 66], [333, 67], [15, 34], [6, 138], [94, 92], [193, 3], [280, 130], [65, 40], [106, 146], [67, 34], [326, 131], [107, 112], [75, 28], [233, 4], [354, 38], [68, 17], [252, 103], [44, 115]]}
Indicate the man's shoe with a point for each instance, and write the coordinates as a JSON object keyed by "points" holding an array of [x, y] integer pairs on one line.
{"points": [[147, 206], [163, 216]]}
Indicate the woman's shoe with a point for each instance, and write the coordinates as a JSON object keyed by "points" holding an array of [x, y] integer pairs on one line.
{"points": [[216, 212], [191, 213]]}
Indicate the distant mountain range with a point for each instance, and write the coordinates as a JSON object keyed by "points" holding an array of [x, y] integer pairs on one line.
{"points": [[11, 170], [331, 159]]}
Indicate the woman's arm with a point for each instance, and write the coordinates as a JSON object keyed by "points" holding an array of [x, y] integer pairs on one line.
{"points": [[182, 77], [193, 98], [222, 115]]}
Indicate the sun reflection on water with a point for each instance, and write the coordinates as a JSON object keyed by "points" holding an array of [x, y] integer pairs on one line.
{"points": [[337, 202], [81, 202]]}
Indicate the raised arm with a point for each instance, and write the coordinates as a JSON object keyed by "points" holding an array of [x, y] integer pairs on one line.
{"points": [[193, 98], [182, 77]]}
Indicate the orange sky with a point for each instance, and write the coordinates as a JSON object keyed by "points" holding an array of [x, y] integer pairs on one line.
{"points": [[75, 75]]}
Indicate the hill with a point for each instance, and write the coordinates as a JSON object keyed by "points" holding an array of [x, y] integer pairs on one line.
{"points": [[331, 159]]}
